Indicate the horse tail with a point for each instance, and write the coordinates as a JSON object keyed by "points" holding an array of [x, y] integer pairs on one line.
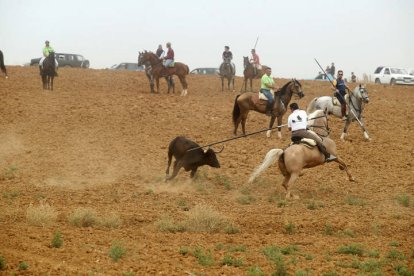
{"points": [[312, 106], [236, 110], [269, 159]]}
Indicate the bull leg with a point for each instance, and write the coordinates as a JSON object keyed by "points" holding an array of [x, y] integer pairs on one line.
{"points": [[344, 132], [177, 167], [343, 166], [193, 172]]}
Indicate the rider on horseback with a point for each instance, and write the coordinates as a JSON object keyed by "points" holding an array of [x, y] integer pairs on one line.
{"points": [[46, 51], [168, 59], [267, 84], [298, 123], [227, 58], [255, 61], [340, 92]]}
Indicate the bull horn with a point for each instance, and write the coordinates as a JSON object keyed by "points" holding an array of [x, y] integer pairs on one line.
{"points": [[222, 148]]}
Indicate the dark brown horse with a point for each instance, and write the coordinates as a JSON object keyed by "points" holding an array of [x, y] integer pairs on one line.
{"points": [[148, 73], [3, 68], [250, 101], [48, 71], [227, 72], [179, 69], [250, 73]]}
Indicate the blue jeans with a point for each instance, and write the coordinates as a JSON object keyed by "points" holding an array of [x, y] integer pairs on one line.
{"points": [[268, 95]]}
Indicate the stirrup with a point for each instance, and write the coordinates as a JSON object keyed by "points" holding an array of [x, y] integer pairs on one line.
{"points": [[330, 158]]}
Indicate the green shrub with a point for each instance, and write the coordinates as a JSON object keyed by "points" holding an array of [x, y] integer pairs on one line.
{"points": [[83, 217], [57, 240], [403, 200], [254, 271], [203, 258], [232, 261], [117, 251], [2, 263], [23, 266], [353, 249]]}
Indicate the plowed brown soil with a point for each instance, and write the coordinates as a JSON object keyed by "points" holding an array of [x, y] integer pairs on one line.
{"points": [[99, 140]]}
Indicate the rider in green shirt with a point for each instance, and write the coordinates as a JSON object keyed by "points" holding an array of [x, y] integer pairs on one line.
{"points": [[46, 50], [268, 83]]}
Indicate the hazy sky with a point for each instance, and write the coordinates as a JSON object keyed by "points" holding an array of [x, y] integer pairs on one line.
{"points": [[358, 35]]}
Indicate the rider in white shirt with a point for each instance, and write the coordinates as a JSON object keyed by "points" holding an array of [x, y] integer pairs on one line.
{"points": [[298, 123]]}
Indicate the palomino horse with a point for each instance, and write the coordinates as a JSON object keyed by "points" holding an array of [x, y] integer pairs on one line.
{"points": [[48, 71], [226, 72], [179, 69], [297, 157], [250, 74], [148, 73], [250, 101], [3, 68], [355, 103]]}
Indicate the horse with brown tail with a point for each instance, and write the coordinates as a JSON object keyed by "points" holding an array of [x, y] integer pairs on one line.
{"points": [[148, 73], [250, 101], [297, 157], [158, 70]]}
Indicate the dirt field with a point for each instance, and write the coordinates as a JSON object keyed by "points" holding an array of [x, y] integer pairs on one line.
{"points": [[99, 141]]}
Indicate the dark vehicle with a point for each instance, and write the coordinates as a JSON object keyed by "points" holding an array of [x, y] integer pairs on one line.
{"points": [[205, 71], [66, 60], [130, 66]]}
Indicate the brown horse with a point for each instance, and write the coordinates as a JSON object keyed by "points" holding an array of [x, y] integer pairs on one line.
{"points": [[250, 73], [179, 69], [297, 157], [250, 101], [148, 73]]}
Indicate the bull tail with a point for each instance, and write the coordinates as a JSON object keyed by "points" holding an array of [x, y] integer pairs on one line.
{"points": [[270, 158], [236, 111]]}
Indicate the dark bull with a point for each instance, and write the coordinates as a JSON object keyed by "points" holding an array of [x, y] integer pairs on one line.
{"points": [[189, 160]]}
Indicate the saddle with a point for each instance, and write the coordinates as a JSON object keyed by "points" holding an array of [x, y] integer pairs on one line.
{"points": [[309, 143]]}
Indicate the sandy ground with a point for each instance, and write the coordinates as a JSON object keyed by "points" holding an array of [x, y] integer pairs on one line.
{"points": [[99, 140]]}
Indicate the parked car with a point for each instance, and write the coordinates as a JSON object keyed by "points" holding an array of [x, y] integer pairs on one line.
{"points": [[66, 60], [205, 71], [323, 77], [130, 66], [392, 75]]}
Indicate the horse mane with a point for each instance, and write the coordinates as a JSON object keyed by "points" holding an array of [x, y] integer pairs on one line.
{"points": [[284, 87]]}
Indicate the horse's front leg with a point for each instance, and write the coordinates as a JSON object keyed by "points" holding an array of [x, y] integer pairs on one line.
{"points": [[344, 132], [366, 136], [222, 84], [279, 128], [343, 166], [157, 82], [251, 85], [272, 122]]}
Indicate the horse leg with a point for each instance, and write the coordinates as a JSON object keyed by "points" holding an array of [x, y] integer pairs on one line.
{"points": [[51, 82], [289, 182], [157, 82], [344, 132], [279, 129], [168, 84], [222, 84], [251, 85], [366, 136], [272, 121], [343, 166], [184, 85], [243, 121], [232, 80]]}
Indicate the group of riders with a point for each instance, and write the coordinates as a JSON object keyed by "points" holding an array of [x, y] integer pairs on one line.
{"points": [[297, 120]]}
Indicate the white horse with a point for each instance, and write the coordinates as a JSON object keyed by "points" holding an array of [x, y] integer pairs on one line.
{"points": [[355, 102]]}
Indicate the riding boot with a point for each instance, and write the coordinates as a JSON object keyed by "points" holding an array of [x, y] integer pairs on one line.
{"points": [[343, 111], [328, 157], [269, 108]]}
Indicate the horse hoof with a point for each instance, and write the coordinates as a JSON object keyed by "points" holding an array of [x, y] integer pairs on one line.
{"points": [[268, 133]]}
